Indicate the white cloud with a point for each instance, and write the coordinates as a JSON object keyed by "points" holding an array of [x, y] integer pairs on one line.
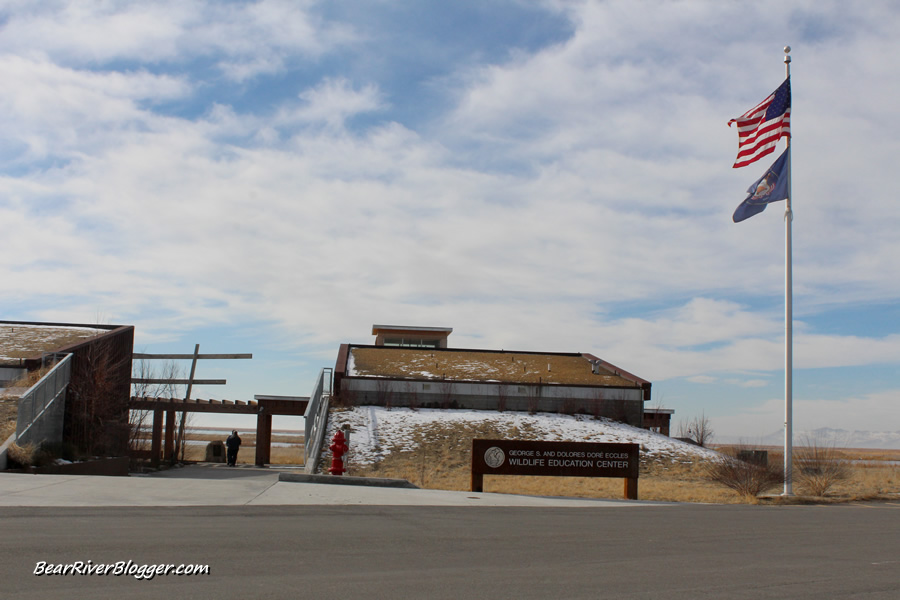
{"points": [[332, 102], [573, 199], [82, 32], [752, 383], [54, 111], [251, 38], [262, 225]]}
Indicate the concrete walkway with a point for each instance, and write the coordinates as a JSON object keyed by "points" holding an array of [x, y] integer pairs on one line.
{"points": [[219, 485]]}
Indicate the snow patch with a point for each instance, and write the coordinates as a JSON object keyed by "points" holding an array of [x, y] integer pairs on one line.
{"points": [[351, 365], [377, 431]]}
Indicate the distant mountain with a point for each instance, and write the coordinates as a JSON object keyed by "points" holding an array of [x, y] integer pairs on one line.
{"points": [[843, 438]]}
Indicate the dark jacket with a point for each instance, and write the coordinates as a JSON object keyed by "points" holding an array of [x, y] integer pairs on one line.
{"points": [[233, 442]]}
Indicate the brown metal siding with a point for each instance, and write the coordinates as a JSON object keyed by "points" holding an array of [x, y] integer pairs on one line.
{"points": [[340, 368], [96, 419]]}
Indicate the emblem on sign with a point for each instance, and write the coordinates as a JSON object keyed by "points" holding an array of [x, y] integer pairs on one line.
{"points": [[494, 457]]}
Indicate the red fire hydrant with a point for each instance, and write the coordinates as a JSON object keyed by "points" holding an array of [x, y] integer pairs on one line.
{"points": [[338, 449]]}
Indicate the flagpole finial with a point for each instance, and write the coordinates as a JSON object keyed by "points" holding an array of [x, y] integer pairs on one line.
{"points": [[787, 51]]}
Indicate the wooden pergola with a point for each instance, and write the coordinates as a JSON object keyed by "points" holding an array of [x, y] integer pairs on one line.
{"points": [[263, 408]]}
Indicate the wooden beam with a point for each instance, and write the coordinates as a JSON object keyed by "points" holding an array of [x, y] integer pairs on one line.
{"points": [[180, 381], [284, 407], [142, 356], [180, 405], [291, 407]]}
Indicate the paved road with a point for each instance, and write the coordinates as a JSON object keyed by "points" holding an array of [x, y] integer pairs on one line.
{"points": [[268, 539], [397, 552]]}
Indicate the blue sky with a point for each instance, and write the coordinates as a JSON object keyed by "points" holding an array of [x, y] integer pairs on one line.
{"points": [[274, 177]]}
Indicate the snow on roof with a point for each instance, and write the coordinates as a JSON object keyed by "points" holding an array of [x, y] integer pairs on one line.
{"points": [[26, 340], [478, 365], [376, 431]]}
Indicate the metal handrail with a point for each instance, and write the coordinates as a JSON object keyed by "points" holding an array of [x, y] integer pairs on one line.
{"points": [[316, 418], [39, 396]]}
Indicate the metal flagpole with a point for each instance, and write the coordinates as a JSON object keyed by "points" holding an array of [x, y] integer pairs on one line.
{"points": [[788, 319]]}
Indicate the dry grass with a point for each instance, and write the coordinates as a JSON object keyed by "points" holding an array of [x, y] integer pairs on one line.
{"points": [[871, 475], [673, 482], [30, 378], [22, 455], [442, 461], [9, 410], [868, 482]]}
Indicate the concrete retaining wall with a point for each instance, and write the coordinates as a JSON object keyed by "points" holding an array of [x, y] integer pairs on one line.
{"points": [[4, 461]]}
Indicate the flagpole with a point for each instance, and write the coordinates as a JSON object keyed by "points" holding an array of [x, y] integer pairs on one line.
{"points": [[788, 320]]}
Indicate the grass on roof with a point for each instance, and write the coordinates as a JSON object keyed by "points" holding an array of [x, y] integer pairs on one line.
{"points": [[509, 367], [26, 341]]}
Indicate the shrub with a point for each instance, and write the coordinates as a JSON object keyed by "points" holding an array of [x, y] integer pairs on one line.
{"points": [[817, 467], [33, 455], [22, 456], [384, 393], [502, 395], [746, 478], [698, 430]]}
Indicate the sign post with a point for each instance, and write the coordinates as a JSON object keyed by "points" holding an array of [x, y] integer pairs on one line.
{"points": [[557, 459]]}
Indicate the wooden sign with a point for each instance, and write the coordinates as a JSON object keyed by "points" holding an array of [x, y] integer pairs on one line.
{"points": [[558, 459]]}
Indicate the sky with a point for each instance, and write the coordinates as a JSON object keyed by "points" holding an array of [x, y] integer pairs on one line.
{"points": [[275, 177]]}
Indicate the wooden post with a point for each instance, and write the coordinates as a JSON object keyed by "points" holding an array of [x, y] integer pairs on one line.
{"points": [[263, 437], [267, 449], [477, 482], [190, 384], [631, 488], [170, 436], [156, 443]]}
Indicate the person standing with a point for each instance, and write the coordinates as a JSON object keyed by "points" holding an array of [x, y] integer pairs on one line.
{"points": [[233, 443]]}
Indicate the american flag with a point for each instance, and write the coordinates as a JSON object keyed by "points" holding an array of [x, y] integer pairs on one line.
{"points": [[760, 128]]}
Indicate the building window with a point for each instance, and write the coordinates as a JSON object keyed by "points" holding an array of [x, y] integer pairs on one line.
{"points": [[411, 343]]}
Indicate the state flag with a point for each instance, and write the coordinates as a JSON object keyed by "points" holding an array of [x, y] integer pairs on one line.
{"points": [[771, 187]]}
